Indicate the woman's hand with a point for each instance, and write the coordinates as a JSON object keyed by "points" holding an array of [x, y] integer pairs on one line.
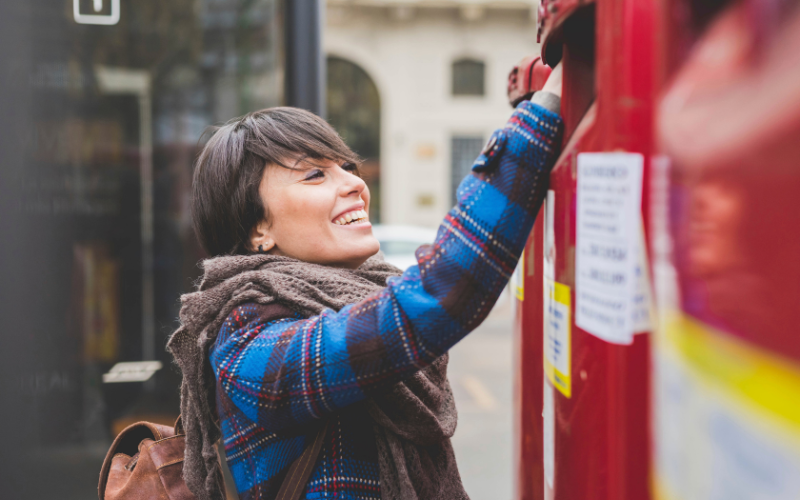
{"points": [[554, 82]]}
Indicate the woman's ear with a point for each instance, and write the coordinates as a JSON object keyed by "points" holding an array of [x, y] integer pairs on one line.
{"points": [[260, 239]]}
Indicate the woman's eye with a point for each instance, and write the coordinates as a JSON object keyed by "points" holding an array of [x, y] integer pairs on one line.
{"points": [[350, 167], [315, 174]]}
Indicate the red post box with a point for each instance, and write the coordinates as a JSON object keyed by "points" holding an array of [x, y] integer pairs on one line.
{"points": [[726, 241], [584, 318]]}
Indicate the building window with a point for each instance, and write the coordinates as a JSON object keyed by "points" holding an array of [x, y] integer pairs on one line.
{"points": [[468, 76], [464, 150]]}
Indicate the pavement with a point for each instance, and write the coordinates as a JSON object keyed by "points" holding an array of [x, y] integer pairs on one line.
{"points": [[481, 374]]}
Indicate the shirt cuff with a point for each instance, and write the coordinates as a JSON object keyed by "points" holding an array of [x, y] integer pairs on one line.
{"points": [[548, 101]]}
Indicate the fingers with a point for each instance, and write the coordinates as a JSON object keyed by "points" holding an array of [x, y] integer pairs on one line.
{"points": [[554, 82]]}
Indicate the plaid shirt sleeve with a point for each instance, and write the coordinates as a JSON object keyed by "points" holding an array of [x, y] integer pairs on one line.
{"points": [[291, 371]]}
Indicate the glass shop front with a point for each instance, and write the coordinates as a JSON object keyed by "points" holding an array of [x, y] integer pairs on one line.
{"points": [[103, 105]]}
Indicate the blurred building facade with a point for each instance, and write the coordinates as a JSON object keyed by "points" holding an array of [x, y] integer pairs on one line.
{"points": [[438, 70]]}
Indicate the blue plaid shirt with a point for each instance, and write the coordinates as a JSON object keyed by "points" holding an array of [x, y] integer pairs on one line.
{"points": [[277, 377]]}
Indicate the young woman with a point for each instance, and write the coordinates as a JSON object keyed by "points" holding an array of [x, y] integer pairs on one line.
{"points": [[300, 334]]}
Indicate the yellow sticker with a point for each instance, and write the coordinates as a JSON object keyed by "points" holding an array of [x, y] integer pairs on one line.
{"points": [[726, 412], [518, 279], [557, 335], [753, 375]]}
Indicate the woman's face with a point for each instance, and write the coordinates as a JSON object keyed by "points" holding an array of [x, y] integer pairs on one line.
{"points": [[316, 214]]}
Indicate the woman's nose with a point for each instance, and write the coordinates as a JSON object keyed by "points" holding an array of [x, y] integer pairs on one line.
{"points": [[351, 184]]}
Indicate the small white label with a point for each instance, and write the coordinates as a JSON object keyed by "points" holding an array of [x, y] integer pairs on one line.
{"points": [[131, 371], [549, 250], [607, 246], [549, 431]]}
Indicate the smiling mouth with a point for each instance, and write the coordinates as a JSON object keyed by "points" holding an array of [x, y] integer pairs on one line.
{"points": [[350, 218]]}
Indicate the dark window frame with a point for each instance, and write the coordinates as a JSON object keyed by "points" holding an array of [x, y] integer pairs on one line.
{"points": [[468, 77]]}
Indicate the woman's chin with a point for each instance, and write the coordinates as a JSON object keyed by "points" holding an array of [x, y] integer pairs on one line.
{"points": [[358, 254]]}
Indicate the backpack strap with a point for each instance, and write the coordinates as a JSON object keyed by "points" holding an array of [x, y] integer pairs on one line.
{"points": [[300, 470]]}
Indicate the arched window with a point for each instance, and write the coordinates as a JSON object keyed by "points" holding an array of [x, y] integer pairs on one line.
{"points": [[354, 110], [468, 76]]}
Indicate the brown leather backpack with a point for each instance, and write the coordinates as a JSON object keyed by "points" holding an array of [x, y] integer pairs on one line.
{"points": [[145, 462]]}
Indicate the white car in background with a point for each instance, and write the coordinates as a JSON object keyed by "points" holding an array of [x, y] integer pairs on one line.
{"points": [[398, 243]]}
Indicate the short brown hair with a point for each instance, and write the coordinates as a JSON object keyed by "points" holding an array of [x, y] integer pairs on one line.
{"points": [[226, 204]]}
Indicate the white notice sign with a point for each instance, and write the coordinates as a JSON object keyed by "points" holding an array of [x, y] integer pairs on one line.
{"points": [[607, 246]]}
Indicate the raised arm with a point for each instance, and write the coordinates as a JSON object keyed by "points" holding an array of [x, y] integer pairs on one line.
{"points": [[287, 372]]}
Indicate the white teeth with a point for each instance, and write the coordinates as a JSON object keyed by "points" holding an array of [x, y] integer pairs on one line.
{"points": [[348, 218]]}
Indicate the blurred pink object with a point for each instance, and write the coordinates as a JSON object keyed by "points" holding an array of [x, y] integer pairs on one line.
{"points": [[730, 123]]}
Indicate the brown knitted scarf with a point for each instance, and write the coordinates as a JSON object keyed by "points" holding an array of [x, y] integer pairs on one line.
{"points": [[414, 419]]}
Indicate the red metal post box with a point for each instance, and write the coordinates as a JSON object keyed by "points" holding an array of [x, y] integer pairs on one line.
{"points": [[726, 241], [584, 316]]}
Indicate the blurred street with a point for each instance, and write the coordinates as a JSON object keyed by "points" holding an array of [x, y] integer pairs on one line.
{"points": [[481, 373]]}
